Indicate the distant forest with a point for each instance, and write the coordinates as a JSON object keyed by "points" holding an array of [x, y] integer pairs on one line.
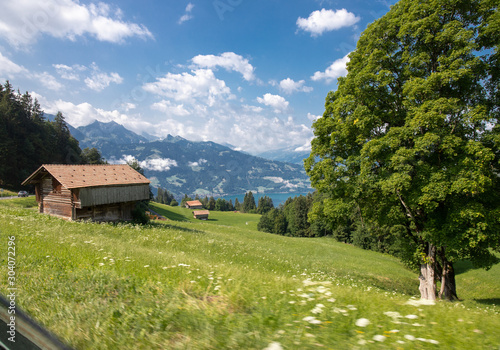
{"points": [[28, 140]]}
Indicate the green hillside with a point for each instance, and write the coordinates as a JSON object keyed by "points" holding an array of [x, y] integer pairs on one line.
{"points": [[220, 284]]}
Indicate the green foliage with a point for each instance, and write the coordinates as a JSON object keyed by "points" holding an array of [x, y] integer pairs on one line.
{"points": [[211, 203], [265, 204], [237, 204], [185, 199], [289, 219], [223, 205], [134, 164], [248, 205], [92, 156], [410, 137], [139, 213], [27, 140], [164, 196]]}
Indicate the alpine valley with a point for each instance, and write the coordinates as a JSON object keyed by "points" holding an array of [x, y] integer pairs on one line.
{"points": [[186, 167]]}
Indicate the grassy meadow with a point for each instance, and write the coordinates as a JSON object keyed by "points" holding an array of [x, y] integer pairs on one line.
{"points": [[221, 284], [7, 193]]}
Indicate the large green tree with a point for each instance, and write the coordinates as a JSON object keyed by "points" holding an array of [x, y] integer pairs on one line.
{"points": [[410, 137]]}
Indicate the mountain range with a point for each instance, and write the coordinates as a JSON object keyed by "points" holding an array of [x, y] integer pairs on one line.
{"points": [[188, 167]]}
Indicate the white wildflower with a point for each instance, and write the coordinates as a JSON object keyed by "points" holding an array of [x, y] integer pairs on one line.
{"points": [[411, 317], [274, 346], [392, 314], [362, 322], [409, 337], [321, 289], [146, 265], [311, 319], [379, 337]]}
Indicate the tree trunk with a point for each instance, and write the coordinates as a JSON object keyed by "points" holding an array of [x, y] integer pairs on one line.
{"points": [[427, 277], [448, 286]]}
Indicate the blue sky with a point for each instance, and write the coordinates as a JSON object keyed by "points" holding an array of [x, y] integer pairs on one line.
{"points": [[253, 74]]}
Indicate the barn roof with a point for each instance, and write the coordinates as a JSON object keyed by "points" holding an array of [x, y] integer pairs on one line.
{"points": [[79, 176], [201, 212], [195, 203]]}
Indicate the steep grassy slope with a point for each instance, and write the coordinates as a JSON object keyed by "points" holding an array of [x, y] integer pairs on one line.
{"points": [[221, 284]]}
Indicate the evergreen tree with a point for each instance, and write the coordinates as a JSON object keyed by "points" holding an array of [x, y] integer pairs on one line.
{"points": [[237, 205], [204, 202], [27, 140], [211, 203], [265, 204], [248, 203]]}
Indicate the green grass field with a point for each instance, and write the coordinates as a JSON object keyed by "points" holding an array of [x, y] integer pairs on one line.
{"points": [[7, 193], [221, 284]]}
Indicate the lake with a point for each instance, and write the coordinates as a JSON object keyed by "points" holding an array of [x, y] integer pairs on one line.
{"points": [[278, 198]]}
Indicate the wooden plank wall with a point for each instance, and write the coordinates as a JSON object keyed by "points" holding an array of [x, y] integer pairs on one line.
{"points": [[56, 203], [106, 212], [93, 196]]}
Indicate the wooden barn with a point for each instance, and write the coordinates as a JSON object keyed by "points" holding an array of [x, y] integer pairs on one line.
{"points": [[201, 214], [194, 205], [88, 192]]}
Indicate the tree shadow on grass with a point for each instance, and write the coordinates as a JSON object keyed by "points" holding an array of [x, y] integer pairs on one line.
{"points": [[169, 214], [491, 301], [462, 267], [165, 225]]}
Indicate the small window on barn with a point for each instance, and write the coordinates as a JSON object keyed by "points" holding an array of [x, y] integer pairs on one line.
{"points": [[56, 186]]}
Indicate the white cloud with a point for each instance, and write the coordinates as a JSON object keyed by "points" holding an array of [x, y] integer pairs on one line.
{"points": [[84, 114], [98, 81], [313, 117], [275, 179], [128, 106], [170, 108], [289, 86], [158, 164], [48, 81], [337, 69], [199, 163], [254, 109], [154, 164], [69, 73], [276, 101], [229, 61], [187, 15], [201, 84], [9, 69], [23, 21], [305, 147], [326, 20]]}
